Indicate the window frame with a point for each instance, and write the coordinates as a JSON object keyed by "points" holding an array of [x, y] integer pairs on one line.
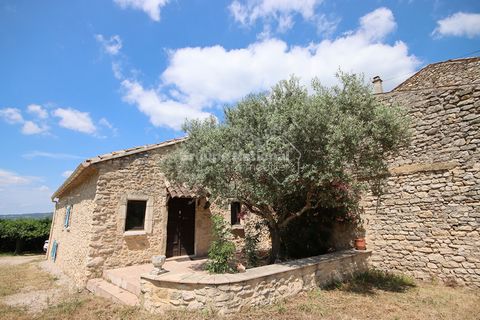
{"points": [[148, 221], [144, 207], [237, 218]]}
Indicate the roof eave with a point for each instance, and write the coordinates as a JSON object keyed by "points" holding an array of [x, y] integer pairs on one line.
{"points": [[87, 163]]}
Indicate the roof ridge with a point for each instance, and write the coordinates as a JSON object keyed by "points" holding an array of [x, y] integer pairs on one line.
{"points": [[110, 156], [434, 64]]}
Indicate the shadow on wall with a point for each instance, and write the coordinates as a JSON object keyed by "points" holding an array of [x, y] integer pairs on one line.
{"points": [[369, 281], [314, 233]]}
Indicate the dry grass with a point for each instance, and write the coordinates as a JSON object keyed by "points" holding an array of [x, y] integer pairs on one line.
{"points": [[23, 277], [372, 295]]}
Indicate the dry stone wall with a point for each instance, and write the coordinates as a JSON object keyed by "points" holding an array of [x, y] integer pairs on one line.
{"points": [[229, 293], [427, 222], [137, 176], [73, 241]]}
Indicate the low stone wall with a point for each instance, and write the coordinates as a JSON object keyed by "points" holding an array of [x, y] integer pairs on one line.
{"points": [[229, 293]]}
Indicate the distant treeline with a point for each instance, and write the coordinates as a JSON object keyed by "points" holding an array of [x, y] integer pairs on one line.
{"points": [[24, 234], [26, 216]]}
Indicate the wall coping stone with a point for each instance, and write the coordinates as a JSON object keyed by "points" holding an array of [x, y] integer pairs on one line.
{"points": [[423, 167], [250, 274]]}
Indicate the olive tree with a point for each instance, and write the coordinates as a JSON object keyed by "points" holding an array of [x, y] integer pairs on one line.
{"points": [[288, 151]]}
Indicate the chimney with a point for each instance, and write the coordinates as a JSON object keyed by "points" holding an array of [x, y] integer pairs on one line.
{"points": [[377, 85]]}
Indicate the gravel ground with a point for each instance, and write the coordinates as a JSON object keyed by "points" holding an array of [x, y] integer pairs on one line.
{"points": [[35, 300], [16, 260]]}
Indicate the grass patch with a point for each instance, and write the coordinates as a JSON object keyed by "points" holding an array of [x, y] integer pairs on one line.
{"points": [[17, 277], [395, 297], [369, 281]]}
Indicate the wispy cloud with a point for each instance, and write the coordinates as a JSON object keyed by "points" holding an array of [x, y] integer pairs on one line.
{"points": [[51, 155], [269, 12], [460, 24], [111, 45], [67, 173], [105, 123], [150, 7], [9, 178]]}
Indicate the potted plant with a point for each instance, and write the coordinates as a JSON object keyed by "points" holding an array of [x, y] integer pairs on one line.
{"points": [[359, 241]]}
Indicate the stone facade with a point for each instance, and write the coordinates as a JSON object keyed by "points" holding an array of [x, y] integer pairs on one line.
{"points": [[73, 242], [427, 222], [257, 287], [96, 239]]}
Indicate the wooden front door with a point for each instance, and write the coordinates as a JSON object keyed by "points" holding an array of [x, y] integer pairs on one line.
{"points": [[181, 227]]}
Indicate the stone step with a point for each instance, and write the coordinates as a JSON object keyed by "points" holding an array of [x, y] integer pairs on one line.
{"points": [[127, 278], [104, 289]]}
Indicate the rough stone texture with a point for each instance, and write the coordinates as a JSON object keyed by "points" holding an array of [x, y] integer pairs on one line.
{"points": [[444, 74], [427, 222], [138, 176], [73, 242], [96, 239], [229, 293]]}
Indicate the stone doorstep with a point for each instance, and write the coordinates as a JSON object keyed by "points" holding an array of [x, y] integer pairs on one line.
{"points": [[109, 291], [128, 282], [183, 258], [219, 279]]}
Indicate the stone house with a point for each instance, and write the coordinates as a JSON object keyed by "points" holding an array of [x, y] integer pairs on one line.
{"points": [[117, 209]]}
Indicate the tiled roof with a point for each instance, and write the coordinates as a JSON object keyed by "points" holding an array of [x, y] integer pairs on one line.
{"points": [[176, 190], [109, 156]]}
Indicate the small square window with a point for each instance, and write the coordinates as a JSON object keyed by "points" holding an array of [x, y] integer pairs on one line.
{"points": [[135, 219], [235, 208]]}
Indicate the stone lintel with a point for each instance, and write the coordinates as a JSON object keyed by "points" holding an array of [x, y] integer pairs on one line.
{"points": [[422, 167]]}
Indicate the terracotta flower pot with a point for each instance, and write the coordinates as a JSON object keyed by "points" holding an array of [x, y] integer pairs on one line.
{"points": [[360, 244]]}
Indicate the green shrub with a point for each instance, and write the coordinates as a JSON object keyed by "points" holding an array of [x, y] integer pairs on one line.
{"points": [[221, 254], [24, 234], [252, 237]]}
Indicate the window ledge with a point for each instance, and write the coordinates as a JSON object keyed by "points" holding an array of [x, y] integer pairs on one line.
{"points": [[134, 233]]}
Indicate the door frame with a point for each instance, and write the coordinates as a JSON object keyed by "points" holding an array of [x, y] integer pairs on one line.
{"points": [[194, 232]]}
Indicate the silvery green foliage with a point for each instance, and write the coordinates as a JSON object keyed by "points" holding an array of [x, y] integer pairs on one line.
{"points": [[284, 152]]}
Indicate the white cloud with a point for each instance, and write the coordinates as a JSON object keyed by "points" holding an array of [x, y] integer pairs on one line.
{"points": [[8, 178], [75, 120], [150, 7], [11, 115], [325, 25], [30, 127], [50, 155], [67, 173], [112, 45], [25, 199], [248, 12], [161, 111], [37, 110], [199, 78], [459, 24], [214, 74], [377, 24], [43, 188], [14, 116]]}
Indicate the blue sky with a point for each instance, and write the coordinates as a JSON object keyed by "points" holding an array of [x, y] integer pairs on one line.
{"points": [[82, 78]]}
